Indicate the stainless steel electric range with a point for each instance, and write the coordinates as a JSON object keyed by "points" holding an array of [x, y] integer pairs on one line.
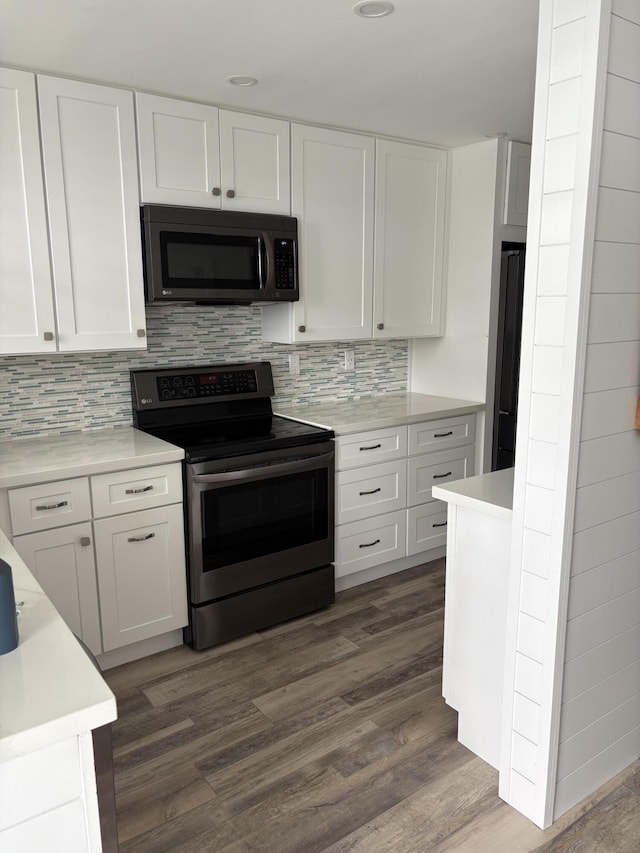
{"points": [[259, 497]]}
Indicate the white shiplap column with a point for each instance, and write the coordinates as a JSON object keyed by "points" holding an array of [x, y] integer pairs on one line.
{"points": [[571, 73]]}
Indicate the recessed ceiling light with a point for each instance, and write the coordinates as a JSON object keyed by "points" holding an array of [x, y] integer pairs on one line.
{"points": [[373, 8], [238, 80]]}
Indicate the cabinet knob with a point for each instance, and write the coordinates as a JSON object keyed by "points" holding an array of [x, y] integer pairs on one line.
{"points": [[141, 333], [84, 541], [302, 328], [48, 336], [231, 193], [380, 326], [215, 191]]}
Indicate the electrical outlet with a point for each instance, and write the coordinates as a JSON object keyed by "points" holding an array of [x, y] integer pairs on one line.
{"points": [[294, 363], [349, 359]]}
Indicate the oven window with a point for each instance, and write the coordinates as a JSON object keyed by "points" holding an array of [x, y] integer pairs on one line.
{"points": [[209, 261], [249, 520]]}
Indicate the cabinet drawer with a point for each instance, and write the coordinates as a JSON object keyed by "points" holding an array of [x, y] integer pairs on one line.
{"points": [[372, 490], [433, 469], [363, 448], [141, 488], [442, 434], [49, 505], [426, 526], [364, 544]]}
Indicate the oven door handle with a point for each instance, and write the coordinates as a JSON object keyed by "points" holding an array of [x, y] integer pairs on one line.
{"points": [[301, 463]]}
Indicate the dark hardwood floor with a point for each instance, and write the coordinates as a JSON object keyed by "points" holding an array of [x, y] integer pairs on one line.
{"points": [[327, 733]]}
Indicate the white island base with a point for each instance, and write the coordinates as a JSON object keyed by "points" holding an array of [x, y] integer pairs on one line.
{"points": [[478, 553]]}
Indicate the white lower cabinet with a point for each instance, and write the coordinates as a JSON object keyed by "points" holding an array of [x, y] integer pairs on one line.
{"points": [[118, 575], [384, 509], [141, 575], [63, 562]]}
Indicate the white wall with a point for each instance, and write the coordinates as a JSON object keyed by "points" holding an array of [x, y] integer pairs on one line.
{"points": [[457, 364], [600, 720], [577, 490]]}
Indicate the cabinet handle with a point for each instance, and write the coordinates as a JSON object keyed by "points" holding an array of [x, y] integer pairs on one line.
{"points": [[215, 191], [84, 541], [372, 447], [441, 476], [302, 328], [442, 434], [48, 336], [138, 491], [141, 538], [369, 544], [441, 524], [52, 506], [380, 326], [231, 193], [372, 492]]}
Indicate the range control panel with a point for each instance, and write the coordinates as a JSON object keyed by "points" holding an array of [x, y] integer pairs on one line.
{"points": [[192, 386], [185, 386]]}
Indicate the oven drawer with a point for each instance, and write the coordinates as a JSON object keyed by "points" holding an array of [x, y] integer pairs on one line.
{"points": [[364, 448], [426, 526], [434, 469], [441, 435], [49, 505], [375, 489], [364, 544], [141, 488]]}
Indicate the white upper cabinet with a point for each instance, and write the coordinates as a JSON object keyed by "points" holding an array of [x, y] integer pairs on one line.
{"points": [[332, 174], [26, 300], [90, 170], [196, 155], [516, 202], [409, 240]]}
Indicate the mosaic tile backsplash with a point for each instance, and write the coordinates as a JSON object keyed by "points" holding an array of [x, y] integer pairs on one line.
{"points": [[56, 394]]}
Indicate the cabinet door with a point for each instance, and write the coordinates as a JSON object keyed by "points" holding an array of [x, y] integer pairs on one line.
{"points": [[254, 163], [90, 167], [409, 240], [332, 195], [63, 563], [26, 298], [141, 572], [179, 152]]}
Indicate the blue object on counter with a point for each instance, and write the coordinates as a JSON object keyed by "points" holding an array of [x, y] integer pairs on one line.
{"points": [[8, 616]]}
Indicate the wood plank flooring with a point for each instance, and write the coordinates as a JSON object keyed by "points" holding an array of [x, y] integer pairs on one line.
{"points": [[326, 733]]}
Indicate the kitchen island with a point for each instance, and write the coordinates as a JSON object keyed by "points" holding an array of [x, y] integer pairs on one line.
{"points": [[477, 579], [51, 698]]}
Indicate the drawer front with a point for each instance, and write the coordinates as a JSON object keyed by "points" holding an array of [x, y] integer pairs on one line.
{"points": [[434, 469], [426, 527], [364, 448], [364, 544], [49, 505], [375, 489], [140, 488], [441, 435]]}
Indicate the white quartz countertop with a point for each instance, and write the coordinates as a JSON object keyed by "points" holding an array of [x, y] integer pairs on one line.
{"points": [[388, 410], [49, 689], [490, 493], [29, 460]]}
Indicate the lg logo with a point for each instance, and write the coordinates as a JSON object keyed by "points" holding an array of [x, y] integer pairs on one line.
{"points": [[146, 400]]}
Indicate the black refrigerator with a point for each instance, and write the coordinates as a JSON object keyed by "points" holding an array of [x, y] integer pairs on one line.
{"points": [[508, 355]]}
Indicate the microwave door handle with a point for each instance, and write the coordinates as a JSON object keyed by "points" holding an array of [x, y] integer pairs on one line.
{"points": [[267, 281], [304, 463], [260, 268]]}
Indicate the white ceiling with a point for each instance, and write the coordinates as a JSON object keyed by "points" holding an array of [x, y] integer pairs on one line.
{"points": [[447, 72]]}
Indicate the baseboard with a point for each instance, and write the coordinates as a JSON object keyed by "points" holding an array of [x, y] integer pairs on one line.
{"points": [[143, 649], [401, 565]]}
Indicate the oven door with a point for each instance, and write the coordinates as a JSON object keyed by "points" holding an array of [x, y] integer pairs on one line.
{"points": [[256, 519]]}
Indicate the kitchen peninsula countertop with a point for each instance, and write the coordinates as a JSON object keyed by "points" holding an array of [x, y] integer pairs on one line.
{"points": [[49, 689], [50, 457], [490, 493], [377, 412]]}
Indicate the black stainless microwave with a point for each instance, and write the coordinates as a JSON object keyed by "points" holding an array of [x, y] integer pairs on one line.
{"points": [[216, 256]]}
